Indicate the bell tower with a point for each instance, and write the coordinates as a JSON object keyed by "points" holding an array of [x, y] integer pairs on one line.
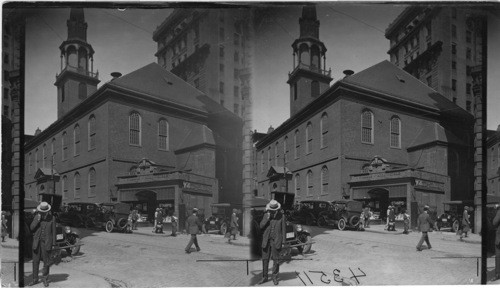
{"points": [[76, 80], [309, 77]]}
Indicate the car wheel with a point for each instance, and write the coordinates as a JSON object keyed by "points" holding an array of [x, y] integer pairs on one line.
{"points": [[455, 226], [322, 223], [341, 224], [304, 238], [223, 228], [354, 221], [73, 240], [109, 226]]}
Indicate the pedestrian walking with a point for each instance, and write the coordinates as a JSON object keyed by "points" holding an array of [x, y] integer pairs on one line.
{"points": [[367, 214], [424, 224], [135, 218], [387, 215], [174, 225], [234, 226], [43, 228], [496, 224], [273, 238], [193, 226], [465, 223], [406, 221], [159, 221]]}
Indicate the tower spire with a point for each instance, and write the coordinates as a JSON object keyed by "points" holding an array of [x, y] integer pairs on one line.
{"points": [[77, 27], [309, 23]]}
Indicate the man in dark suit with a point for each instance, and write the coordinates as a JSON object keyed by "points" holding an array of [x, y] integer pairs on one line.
{"points": [[424, 224], [193, 225], [273, 238], [496, 224], [43, 228]]}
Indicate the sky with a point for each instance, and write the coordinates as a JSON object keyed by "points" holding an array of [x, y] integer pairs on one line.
{"points": [[122, 40]]}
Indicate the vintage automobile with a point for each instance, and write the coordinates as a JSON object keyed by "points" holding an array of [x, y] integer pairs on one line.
{"points": [[342, 214], [114, 216], [308, 211], [77, 214], [296, 236], [219, 220], [452, 216], [67, 238]]}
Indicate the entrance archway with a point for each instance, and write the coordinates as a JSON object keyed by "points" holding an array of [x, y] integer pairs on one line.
{"points": [[380, 197], [147, 199]]}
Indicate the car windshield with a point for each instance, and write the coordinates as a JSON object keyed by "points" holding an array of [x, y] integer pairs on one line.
{"points": [[106, 208]]}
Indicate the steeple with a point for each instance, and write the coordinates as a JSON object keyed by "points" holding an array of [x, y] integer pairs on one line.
{"points": [[77, 79], [309, 78]]}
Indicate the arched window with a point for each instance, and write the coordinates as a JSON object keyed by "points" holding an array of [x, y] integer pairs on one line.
{"points": [[323, 124], [77, 183], [36, 160], [309, 138], [64, 142], [29, 163], [367, 127], [163, 135], [53, 147], [315, 56], [92, 182], [135, 129], [64, 187], [395, 132], [297, 185], [82, 58], [324, 180], [82, 90], [304, 56], [276, 155], [285, 149], [309, 183], [76, 138], [72, 57], [44, 156], [269, 158], [296, 144], [262, 162], [91, 132], [314, 88]]}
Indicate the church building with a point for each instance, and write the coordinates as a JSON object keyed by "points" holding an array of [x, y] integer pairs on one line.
{"points": [[146, 138], [379, 136]]}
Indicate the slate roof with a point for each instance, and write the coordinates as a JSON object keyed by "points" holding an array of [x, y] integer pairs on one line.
{"points": [[45, 172], [389, 79], [155, 81], [434, 132], [200, 134]]}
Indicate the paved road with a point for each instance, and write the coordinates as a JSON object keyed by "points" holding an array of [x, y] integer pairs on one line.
{"points": [[385, 259], [156, 260]]}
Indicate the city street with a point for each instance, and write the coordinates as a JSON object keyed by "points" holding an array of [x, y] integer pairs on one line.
{"points": [[145, 259], [386, 258]]}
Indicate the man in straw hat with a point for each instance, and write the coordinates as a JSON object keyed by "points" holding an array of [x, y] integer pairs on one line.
{"points": [[424, 224], [43, 228], [193, 225], [273, 238]]}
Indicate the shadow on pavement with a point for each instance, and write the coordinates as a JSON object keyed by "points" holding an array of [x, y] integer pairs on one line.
{"points": [[283, 276], [58, 277]]}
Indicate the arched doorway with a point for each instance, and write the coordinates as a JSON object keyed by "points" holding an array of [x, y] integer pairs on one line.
{"points": [[379, 201], [146, 201]]}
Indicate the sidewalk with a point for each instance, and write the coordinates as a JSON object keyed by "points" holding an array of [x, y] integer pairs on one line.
{"points": [[444, 235]]}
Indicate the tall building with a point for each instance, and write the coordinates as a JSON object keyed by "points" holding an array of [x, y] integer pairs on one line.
{"points": [[493, 164], [178, 149], [379, 136], [439, 45], [208, 48]]}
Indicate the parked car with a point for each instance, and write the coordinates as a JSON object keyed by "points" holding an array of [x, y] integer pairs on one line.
{"points": [[452, 216], [308, 211], [342, 214], [77, 214], [219, 220], [114, 216], [296, 236]]}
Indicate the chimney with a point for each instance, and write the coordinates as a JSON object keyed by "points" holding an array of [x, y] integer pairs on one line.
{"points": [[115, 75], [347, 73], [270, 130], [38, 131]]}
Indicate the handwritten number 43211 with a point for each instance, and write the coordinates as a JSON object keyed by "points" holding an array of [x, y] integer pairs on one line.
{"points": [[336, 276]]}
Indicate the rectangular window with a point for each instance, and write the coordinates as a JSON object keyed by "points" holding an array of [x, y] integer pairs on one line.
{"points": [[395, 133], [454, 65], [454, 48], [453, 31], [6, 59], [5, 93], [468, 54], [453, 84], [221, 51], [163, 135], [221, 68], [236, 92], [221, 87], [468, 105], [5, 75], [454, 13], [468, 89], [468, 36], [468, 70]]}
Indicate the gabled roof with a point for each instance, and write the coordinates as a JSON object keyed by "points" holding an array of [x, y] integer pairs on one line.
{"points": [[278, 170], [393, 81], [155, 81], [432, 133], [199, 135], [41, 172]]}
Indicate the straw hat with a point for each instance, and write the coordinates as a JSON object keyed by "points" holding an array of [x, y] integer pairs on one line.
{"points": [[273, 205], [43, 207]]}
